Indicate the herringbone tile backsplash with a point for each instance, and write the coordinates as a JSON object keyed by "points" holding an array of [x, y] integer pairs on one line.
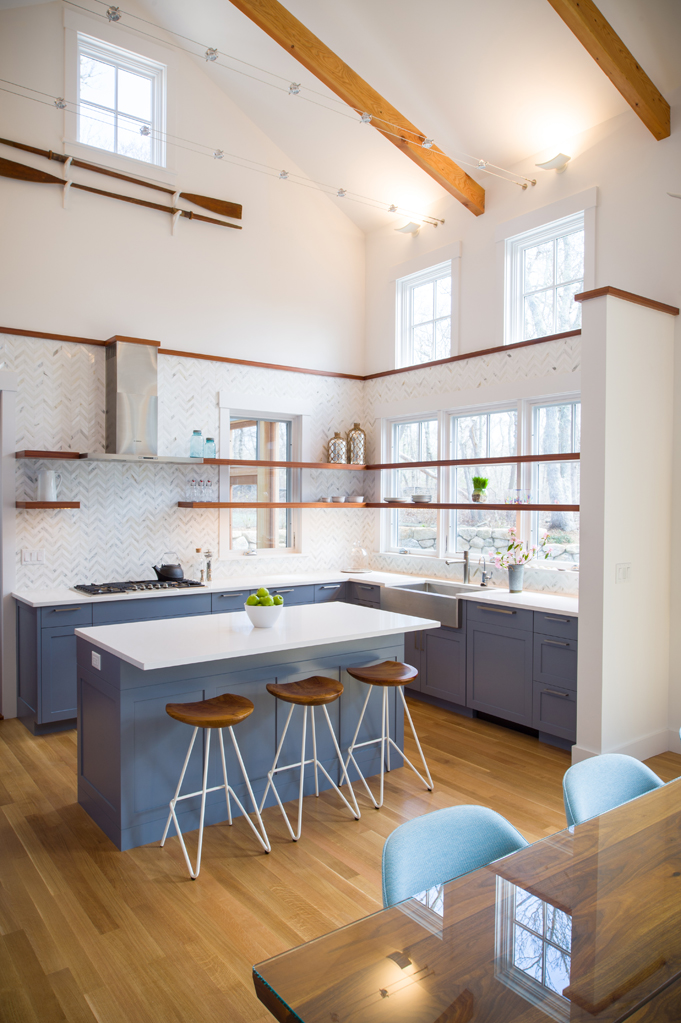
{"points": [[129, 516]]}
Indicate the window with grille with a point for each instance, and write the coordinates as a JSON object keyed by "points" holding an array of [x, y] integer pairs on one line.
{"points": [[424, 315], [121, 101], [254, 440], [544, 272]]}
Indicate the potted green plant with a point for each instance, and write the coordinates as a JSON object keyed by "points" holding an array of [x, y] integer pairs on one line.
{"points": [[479, 488], [515, 557]]}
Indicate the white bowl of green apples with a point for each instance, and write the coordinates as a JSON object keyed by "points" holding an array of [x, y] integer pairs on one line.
{"points": [[263, 609]]}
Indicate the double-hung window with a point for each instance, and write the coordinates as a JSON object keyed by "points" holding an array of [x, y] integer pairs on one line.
{"points": [[413, 527], [544, 272], [479, 436], [121, 101], [424, 315], [556, 430], [254, 440]]}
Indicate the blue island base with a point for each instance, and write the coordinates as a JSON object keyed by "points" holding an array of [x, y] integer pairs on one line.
{"points": [[130, 752]]}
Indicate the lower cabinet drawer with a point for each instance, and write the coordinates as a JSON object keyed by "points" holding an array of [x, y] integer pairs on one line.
{"points": [[150, 608], [554, 710], [364, 593], [555, 661], [495, 614], [232, 601], [329, 591], [68, 614], [294, 594]]}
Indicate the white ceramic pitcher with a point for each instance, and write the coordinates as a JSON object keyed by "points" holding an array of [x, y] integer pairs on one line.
{"points": [[49, 483]]}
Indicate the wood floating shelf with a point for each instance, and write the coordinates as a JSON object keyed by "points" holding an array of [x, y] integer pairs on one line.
{"points": [[271, 504], [258, 463], [570, 456], [48, 454], [477, 506], [47, 504]]}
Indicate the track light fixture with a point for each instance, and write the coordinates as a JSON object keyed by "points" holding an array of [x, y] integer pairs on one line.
{"points": [[114, 14], [211, 53]]}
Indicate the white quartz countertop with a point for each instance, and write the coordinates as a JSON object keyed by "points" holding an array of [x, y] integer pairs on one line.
{"points": [[199, 638], [64, 595], [557, 603]]}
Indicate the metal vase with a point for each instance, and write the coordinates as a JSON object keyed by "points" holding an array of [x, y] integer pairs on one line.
{"points": [[515, 578], [338, 450], [357, 445]]}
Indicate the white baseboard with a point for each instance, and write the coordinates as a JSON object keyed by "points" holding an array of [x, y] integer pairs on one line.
{"points": [[643, 748]]}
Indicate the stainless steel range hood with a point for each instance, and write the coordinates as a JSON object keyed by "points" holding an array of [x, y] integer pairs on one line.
{"points": [[131, 428], [131, 398]]}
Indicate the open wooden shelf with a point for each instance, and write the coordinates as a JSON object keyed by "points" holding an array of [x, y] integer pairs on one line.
{"points": [[478, 506], [48, 454], [569, 456], [271, 504], [259, 462], [47, 504]]}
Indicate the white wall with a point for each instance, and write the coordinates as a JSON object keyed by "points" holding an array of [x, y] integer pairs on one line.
{"points": [[288, 288], [626, 482], [638, 232]]}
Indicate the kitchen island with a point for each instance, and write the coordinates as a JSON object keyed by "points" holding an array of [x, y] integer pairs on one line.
{"points": [[130, 752]]}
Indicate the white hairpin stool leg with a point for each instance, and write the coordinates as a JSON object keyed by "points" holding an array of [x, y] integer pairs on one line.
{"points": [[356, 745], [179, 786]]}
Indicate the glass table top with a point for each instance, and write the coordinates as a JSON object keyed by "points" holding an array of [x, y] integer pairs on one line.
{"points": [[582, 926]]}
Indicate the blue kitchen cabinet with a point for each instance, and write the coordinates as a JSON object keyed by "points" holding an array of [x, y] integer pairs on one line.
{"points": [[364, 594], [443, 664], [326, 592], [499, 670]]}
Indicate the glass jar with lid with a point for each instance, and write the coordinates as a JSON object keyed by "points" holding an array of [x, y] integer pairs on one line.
{"points": [[356, 559]]}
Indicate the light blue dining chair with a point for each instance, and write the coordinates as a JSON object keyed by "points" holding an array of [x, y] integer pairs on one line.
{"points": [[442, 845], [601, 783]]}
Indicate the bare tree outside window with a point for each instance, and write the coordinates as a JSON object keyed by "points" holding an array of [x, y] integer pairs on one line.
{"points": [[255, 440], [414, 527], [424, 315], [485, 435], [557, 430]]}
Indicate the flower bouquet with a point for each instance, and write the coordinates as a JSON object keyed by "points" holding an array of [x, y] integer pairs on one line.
{"points": [[515, 557]]}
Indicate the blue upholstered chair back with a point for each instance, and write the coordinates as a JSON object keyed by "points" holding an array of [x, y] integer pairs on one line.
{"points": [[441, 845], [601, 783]]}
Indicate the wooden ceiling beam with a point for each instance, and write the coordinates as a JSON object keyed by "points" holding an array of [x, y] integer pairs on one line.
{"points": [[296, 39], [599, 38]]}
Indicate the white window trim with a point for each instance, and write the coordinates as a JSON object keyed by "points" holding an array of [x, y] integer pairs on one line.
{"points": [[513, 290], [445, 517], [585, 202], [404, 287], [114, 34], [155, 71], [225, 551]]}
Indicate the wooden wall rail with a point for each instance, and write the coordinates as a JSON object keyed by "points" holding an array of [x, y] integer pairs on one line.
{"points": [[299, 369], [502, 460]]}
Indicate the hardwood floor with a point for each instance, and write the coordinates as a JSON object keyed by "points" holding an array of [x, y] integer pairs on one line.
{"points": [[88, 933]]}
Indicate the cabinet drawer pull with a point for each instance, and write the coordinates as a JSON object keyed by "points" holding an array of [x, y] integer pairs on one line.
{"points": [[336, 587], [228, 595], [496, 610], [367, 587], [61, 610], [282, 591], [555, 642], [565, 621], [552, 692]]}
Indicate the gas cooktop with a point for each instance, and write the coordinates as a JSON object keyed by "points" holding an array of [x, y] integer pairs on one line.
{"points": [[94, 589]]}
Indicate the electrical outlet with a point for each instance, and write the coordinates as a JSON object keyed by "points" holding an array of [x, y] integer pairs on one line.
{"points": [[623, 572], [32, 557], [96, 661]]}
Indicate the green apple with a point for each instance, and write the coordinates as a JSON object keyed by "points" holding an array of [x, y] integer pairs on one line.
{"points": [[266, 601], [251, 600], [262, 592], [278, 599]]}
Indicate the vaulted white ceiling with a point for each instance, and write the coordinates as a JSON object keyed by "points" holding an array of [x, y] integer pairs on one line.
{"points": [[495, 79]]}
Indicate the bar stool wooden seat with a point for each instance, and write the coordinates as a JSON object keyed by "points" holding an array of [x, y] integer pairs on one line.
{"points": [[219, 712], [316, 691], [385, 675]]}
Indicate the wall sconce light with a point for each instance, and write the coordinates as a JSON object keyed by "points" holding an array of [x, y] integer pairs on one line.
{"points": [[410, 228], [558, 163]]}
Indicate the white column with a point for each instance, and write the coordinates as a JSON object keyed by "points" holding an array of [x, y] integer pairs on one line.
{"points": [[626, 550], [8, 432]]}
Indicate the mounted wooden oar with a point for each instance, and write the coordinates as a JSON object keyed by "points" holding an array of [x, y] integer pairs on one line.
{"points": [[10, 169], [222, 206]]}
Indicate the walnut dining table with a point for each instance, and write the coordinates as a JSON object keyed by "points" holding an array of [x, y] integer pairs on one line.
{"points": [[582, 926]]}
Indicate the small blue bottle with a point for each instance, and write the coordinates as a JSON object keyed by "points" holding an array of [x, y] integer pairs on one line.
{"points": [[196, 445], [209, 448]]}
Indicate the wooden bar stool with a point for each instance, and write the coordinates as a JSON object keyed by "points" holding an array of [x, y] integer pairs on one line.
{"points": [[316, 691], [389, 673], [220, 712]]}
